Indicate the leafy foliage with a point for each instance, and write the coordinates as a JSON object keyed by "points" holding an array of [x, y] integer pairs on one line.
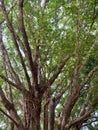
{"points": [[63, 28]]}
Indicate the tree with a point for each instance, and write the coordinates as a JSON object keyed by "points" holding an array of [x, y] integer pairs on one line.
{"points": [[49, 64]]}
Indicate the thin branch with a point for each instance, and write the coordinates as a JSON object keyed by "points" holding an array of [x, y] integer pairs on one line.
{"points": [[23, 31], [86, 124], [10, 82], [2, 21], [89, 52], [59, 85], [9, 117], [9, 106], [58, 71], [8, 63], [15, 41], [91, 73], [83, 108], [22, 46], [58, 97], [82, 118], [94, 16]]}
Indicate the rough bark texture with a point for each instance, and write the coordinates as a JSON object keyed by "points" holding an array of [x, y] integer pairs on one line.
{"points": [[52, 114], [32, 111]]}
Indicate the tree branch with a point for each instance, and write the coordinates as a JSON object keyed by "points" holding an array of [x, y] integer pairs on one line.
{"points": [[10, 82], [8, 63], [24, 34], [82, 118], [58, 71], [96, 120], [9, 117], [58, 97], [9, 106], [2, 6], [89, 52], [91, 73]]}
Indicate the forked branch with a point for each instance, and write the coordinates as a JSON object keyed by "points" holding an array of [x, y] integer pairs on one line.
{"points": [[58, 70]]}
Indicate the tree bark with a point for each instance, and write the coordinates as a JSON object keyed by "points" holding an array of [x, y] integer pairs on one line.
{"points": [[68, 106], [46, 116], [32, 111], [52, 114]]}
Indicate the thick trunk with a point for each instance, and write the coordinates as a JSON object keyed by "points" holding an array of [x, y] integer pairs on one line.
{"points": [[32, 110]]}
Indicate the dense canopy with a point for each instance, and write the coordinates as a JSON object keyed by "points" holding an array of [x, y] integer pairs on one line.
{"points": [[48, 64]]}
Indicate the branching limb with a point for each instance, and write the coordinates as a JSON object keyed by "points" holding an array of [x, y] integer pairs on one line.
{"points": [[9, 106], [86, 124], [58, 97], [91, 73], [9, 117], [82, 118], [5, 14], [8, 63], [89, 52], [33, 66], [58, 71], [10, 82]]}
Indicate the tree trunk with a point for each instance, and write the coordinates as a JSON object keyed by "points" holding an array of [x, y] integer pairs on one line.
{"points": [[32, 111]]}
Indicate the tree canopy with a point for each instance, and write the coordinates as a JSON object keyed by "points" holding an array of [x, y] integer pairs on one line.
{"points": [[48, 64]]}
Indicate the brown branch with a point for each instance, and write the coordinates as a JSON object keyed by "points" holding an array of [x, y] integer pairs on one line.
{"points": [[82, 118], [68, 106], [58, 71], [88, 53], [75, 77], [22, 46], [58, 97], [45, 116], [9, 117], [96, 120], [83, 109], [17, 37], [89, 76], [25, 38], [9, 106], [10, 82], [51, 114], [2, 21], [14, 40], [8, 63], [94, 16], [36, 56]]}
